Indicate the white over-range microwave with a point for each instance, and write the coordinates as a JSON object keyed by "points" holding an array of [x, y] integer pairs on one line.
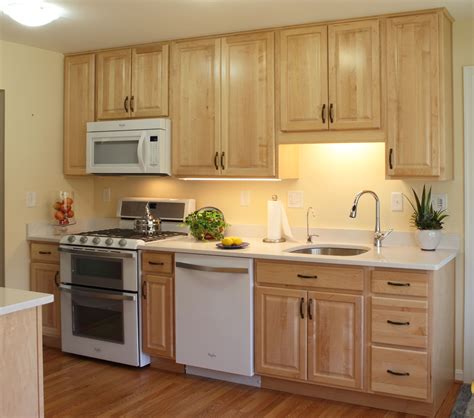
{"points": [[141, 146]]}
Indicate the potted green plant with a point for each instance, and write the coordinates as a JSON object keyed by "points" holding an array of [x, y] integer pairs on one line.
{"points": [[428, 221], [206, 224]]}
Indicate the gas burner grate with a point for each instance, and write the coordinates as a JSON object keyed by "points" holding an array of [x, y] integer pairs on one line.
{"points": [[131, 234]]}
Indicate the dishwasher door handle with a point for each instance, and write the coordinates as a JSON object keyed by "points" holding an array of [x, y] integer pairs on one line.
{"points": [[210, 269]]}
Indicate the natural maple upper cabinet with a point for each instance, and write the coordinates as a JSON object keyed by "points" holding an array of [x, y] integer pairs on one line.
{"points": [[132, 83], [330, 83], [79, 108], [195, 107], [248, 131], [419, 78]]}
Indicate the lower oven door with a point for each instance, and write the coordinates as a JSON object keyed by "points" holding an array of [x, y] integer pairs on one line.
{"points": [[100, 323]]}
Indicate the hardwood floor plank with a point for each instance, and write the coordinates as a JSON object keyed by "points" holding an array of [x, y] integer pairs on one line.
{"points": [[79, 387]]}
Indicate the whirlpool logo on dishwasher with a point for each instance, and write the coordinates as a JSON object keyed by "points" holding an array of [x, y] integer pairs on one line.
{"points": [[211, 355]]}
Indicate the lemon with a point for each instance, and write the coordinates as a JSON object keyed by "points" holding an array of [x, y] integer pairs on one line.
{"points": [[237, 240], [227, 241]]}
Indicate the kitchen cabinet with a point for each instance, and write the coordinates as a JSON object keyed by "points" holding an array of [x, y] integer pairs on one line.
{"points": [[79, 108], [308, 335], [330, 79], [420, 107], [132, 83], [222, 106], [44, 278], [158, 305]]}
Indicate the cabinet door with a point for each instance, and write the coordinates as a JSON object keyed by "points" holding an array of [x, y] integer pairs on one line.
{"points": [[195, 107], [280, 332], [413, 134], [303, 79], [158, 317], [45, 279], [79, 108], [149, 81], [354, 75], [248, 133], [113, 84], [335, 339]]}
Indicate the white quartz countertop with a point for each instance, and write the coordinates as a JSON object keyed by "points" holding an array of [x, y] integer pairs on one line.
{"points": [[407, 257], [14, 300]]}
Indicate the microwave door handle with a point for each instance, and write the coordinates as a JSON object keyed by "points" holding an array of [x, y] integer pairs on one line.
{"points": [[141, 144]]}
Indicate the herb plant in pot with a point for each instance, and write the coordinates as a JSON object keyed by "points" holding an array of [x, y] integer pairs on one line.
{"points": [[429, 222], [206, 224]]}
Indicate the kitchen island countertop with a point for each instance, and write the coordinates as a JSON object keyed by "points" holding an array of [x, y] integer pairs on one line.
{"points": [[14, 300]]}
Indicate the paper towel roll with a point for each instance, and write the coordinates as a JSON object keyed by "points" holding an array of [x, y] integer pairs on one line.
{"points": [[273, 220]]}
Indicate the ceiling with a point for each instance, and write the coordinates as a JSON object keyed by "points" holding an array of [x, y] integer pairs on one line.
{"points": [[95, 24]]}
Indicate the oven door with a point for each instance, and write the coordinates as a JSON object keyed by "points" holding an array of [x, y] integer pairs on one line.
{"points": [[100, 268], [100, 323]]}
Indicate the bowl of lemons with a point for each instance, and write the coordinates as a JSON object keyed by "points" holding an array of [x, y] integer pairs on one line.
{"points": [[232, 243]]}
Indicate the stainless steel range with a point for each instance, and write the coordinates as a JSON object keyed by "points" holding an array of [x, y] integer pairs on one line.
{"points": [[100, 289]]}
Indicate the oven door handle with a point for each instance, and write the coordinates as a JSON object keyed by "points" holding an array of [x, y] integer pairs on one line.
{"points": [[98, 294], [97, 253]]}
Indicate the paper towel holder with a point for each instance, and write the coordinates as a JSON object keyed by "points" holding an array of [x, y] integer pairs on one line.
{"points": [[274, 241]]}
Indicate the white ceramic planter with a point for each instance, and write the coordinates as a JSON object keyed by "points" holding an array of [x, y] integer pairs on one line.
{"points": [[428, 239]]}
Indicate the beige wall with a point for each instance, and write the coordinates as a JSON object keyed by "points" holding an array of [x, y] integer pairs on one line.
{"points": [[330, 175], [33, 83]]}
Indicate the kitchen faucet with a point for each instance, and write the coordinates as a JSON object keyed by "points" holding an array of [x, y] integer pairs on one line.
{"points": [[309, 237], [379, 236]]}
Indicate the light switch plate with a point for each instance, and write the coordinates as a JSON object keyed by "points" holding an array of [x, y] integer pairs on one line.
{"points": [[296, 199], [30, 199], [244, 198], [397, 202], [439, 201]]}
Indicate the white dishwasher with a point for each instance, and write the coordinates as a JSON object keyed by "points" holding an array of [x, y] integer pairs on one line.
{"points": [[214, 313]]}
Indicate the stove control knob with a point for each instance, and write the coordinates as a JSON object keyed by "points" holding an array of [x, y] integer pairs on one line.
{"points": [[96, 240], [109, 241], [83, 240], [123, 242], [71, 238]]}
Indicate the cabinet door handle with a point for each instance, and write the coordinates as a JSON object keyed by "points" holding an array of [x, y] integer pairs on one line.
{"points": [[331, 113], [45, 252], [304, 276], [302, 308], [223, 160], [398, 284], [56, 279], [397, 373], [390, 159], [397, 323], [216, 164], [125, 104], [154, 263], [144, 290], [310, 309], [323, 113], [132, 103]]}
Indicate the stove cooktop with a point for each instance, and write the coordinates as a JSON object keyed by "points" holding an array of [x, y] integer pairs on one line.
{"points": [[131, 234]]}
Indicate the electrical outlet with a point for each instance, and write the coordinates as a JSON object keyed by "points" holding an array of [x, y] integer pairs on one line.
{"points": [[439, 201], [244, 198], [397, 202], [295, 199], [106, 194], [30, 199]]}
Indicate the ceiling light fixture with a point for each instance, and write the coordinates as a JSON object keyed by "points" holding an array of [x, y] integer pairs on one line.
{"points": [[31, 12]]}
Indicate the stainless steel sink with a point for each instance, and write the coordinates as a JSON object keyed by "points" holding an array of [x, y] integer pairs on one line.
{"points": [[323, 250]]}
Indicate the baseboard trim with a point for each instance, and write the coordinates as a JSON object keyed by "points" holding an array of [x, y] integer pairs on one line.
{"points": [[459, 376], [254, 380]]}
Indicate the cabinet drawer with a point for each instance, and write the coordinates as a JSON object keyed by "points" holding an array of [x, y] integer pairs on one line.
{"points": [[153, 262], [44, 252], [400, 372], [399, 322], [399, 282], [310, 275]]}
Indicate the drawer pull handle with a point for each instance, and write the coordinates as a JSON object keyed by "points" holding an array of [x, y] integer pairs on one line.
{"points": [[45, 252], [154, 263], [398, 284], [304, 276], [397, 323], [397, 373], [302, 308]]}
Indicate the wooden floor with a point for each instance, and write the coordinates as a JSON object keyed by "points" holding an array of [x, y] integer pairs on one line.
{"points": [[80, 387]]}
